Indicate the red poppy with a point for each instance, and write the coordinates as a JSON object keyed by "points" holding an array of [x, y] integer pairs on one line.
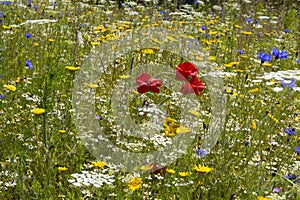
{"points": [[185, 71], [193, 87], [145, 84]]}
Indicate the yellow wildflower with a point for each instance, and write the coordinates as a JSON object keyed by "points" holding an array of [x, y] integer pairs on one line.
{"points": [[61, 131], [238, 70], [99, 164], [263, 198], [146, 167], [125, 76], [213, 58], [72, 68], [95, 43], [148, 51], [202, 169], [246, 32], [182, 129], [254, 125], [254, 91], [6, 27], [273, 118], [184, 174], [62, 169], [231, 64], [10, 87], [171, 171], [135, 183], [267, 64], [38, 111], [170, 38], [91, 85]]}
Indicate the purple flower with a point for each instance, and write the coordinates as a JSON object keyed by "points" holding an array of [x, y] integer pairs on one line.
{"points": [[279, 53], [161, 12], [241, 51], [264, 57], [2, 96], [288, 83], [287, 30], [276, 190], [201, 152], [28, 64], [298, 61], [206, 35], [35, 8], [297, 149], [290, 131]]}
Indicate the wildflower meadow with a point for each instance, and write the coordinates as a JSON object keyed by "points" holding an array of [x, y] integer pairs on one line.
{"points": [[150, 99]]}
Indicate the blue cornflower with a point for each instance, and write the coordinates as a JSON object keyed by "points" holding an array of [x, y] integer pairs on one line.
{"points": [[290, 131], [241, 51], [297, 149], [287, 30], [249, 20], [28, 35], [194, 41], [1, 76], [28, 64], [291, 177], [279, 53], [201, 152], [206, 35], [161, 12], [264, 57], [298, 61], [288, 83], [29, 3], [2, 96], [35, 8], [203, 28], [5, 2]]}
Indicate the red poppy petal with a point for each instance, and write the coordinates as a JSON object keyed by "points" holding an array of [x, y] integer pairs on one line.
{"points": [[186, 89], [156, 82], [143, 88], [142, 78], [154, 89], [198, 90]]}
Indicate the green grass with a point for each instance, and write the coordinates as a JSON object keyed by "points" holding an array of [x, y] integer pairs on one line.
{"points": [[248, 160]]}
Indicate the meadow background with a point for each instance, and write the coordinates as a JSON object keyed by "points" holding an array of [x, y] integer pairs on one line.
{"points": [[43, 45]]}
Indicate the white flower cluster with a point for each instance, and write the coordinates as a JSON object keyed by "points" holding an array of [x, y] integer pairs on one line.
{"points": [[91, 178]]}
